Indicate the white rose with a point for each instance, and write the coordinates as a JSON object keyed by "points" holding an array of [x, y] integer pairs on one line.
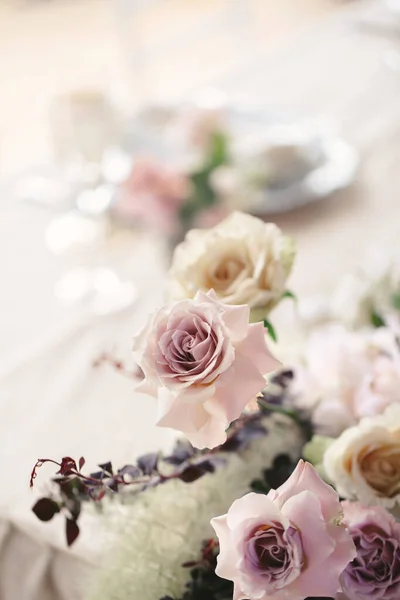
{"points": [[364, 462], [245, 260]]}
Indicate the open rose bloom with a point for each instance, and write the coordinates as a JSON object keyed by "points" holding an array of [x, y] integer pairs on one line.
{"points": [[287, 545], [245, 260], [203, 362], [374, 574], [364, 462], [347, 376]]}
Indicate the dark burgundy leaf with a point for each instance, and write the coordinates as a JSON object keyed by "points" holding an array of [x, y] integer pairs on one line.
{"points": [[107, 467], [192, 473], [190, 564], [280, 471], [232, 444], [45, 509], [72, 531], [81, 462], [130, 471], [148, 463], [195, 471], [67, 466]]}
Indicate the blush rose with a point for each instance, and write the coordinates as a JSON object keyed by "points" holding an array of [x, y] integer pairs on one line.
{"points": [[286, 545], [204, 363], [374, 574]]}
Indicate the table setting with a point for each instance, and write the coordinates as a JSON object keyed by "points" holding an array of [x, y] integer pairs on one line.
{"points": [[131, 215]]}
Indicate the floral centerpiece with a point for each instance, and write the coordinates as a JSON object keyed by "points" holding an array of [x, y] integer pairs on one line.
{"points": [[286, 482]]}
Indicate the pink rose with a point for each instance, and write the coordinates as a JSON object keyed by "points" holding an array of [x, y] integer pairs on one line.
{"points": [[380, 388], [348, 375], [153, 194], [204, 363], [374, 574], [286, 545]]}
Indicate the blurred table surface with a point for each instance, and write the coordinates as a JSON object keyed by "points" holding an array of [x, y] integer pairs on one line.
{"points": [[332, 69]]}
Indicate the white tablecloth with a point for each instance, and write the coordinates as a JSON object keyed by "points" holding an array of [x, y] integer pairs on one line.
{"points": [[53, 402]]}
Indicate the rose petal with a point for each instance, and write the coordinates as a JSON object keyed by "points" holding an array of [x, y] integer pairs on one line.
{"points": [[258, 507], [187, 417], [227, 556], [255, 345], [306, 478], [241, 383]]}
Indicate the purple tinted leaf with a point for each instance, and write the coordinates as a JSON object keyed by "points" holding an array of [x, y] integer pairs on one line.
{"points": [[148, 463], [72, 531], [275, 399], [182, 452], [130, 471], [81, 463], [283, 378], [98, 475], [107, 467], [45, 509], [249, 432]]}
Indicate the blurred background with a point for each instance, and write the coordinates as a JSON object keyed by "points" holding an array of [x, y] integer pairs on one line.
{"points": [[124, 123]]}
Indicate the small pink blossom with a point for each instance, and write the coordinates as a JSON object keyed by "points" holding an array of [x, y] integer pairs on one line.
{"points": [[287, 545], [347, 376], [204, 363], [153, 195]]}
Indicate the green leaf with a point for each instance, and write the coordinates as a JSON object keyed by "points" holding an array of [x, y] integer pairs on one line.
{"points": [[377, 320], [271, 331], [396, 300], [314, 450], [260, 487], [289, 294], [218, 151]]}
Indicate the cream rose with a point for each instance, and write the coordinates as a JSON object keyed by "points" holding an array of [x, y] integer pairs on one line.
{"points": [[364, 462], [245, 260]]}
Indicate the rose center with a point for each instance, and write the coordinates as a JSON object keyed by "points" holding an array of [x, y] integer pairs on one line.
{"points": [[381, 469], [275, 553], [225, 272]]}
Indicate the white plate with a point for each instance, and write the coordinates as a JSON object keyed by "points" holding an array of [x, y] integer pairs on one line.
{"points": [[336, 168]]}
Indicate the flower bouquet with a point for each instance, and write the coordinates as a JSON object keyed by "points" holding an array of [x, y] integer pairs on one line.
{"points": [[286, 482]]}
